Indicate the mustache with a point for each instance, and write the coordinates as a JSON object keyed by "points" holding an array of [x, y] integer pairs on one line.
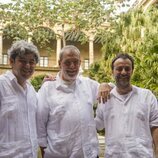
{"points": [[124, 76]]}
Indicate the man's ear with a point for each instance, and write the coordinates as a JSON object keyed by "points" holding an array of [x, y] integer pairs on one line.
{"points": [[80, 62], [11, 61], [112, 71]]}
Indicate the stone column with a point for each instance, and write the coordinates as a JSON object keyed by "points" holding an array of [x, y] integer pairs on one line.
{"points": [[58, 31], [91, 50], [58, 49], [1, 45]]}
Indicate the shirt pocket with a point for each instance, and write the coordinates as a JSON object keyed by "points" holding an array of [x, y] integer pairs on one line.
{"points": [[56, 116], [142, 121], [109, 114], [9, 106]]}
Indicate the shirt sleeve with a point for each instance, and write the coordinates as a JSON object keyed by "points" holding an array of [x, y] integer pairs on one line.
{"points": [[42, 116], [99, 119], [153, 110]]}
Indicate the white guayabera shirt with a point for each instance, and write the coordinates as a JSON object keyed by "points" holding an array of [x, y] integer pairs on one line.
{"points": [[127, 121], [65, 119], [18, 138]]}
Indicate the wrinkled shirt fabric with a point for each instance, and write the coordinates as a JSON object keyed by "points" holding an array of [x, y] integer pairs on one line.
{"points": [[127, 124], [65, 119], [18, 137]]}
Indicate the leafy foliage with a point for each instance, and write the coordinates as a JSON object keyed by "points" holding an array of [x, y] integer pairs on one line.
{"points": [[135, 33], [15, 32], [31, 15], [37, 81], [39, 35], [76, 36]]}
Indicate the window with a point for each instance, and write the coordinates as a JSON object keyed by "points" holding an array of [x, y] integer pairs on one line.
{"points": [[43, 61], [5, 59], [86, 64]]}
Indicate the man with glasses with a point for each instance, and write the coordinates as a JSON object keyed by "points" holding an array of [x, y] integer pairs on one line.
{"points": [[18, 138], [65, 120], [130, 116]]}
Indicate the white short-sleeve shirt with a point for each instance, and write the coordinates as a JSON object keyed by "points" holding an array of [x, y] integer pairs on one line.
{"points": [[128, 123]]}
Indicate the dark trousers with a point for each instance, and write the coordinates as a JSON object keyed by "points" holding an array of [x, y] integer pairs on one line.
{"points": [[97, 156]]}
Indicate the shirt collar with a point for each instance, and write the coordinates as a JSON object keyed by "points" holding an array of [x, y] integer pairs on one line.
{"points": [[114, 91], [12, 77]]}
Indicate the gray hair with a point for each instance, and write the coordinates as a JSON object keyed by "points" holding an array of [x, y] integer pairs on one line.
{"points": [[71, 48], [22, 47]]}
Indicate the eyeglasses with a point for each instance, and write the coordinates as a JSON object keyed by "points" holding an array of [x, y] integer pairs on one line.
{"points": [[120, 68], [75, 62], [24, 62]]}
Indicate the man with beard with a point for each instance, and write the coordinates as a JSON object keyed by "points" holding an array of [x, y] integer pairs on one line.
{"points": [[130, 116], [18, 137], [65, 120]]}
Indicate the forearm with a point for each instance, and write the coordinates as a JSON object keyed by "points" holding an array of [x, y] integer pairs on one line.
{"points": [[154, 132], [156, 151]]}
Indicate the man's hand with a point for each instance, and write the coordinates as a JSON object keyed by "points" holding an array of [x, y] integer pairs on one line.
{"points": [[104, 92], [49, 77]]}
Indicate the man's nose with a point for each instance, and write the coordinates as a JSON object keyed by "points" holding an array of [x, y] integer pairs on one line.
{"points": [[27, 65], [72, 64], [123, 71]]}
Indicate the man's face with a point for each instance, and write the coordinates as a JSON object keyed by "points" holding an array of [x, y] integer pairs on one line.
{"points": [[69, 65], [23, 67], [122, 72]]}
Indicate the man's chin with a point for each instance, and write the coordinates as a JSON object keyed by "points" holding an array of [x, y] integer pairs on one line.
{"points": [[27, 76], [72, 78], [124, 85]]}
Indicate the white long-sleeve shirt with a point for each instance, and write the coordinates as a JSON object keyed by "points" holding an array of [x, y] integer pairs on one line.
{"points": [[127, 123], [18, 137], [65, 122]]}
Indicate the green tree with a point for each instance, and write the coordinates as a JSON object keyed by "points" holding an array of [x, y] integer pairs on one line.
{"points": [[37, 81], [135, 33], [31, 15]]}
